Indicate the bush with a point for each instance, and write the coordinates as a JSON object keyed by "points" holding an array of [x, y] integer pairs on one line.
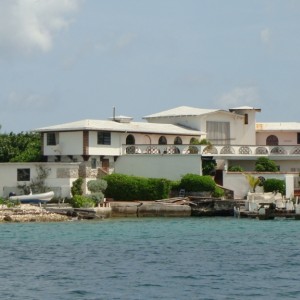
{"points": [[96, 197], [124, 187], [235, 169], [264, 164], [197, 183], [274, 185], [82, 201], [96, 186], [218, 192], [76, 188]]}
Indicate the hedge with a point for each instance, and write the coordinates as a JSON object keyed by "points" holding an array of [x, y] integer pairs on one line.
{"points": [[125, 187], [197, 183]]}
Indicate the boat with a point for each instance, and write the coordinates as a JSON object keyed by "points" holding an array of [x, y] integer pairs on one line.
{"points": [[33, 198]]}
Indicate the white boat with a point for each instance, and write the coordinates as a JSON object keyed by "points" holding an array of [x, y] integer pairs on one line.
{"points": [[33, 198]]}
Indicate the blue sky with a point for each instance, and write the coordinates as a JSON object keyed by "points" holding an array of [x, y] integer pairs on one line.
{"points": [[68, 60]]}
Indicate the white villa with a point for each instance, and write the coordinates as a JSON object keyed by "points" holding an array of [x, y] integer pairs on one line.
{"points": [[161, 148]]}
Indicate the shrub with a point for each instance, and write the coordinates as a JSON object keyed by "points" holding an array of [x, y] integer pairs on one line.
{"points": [[96, 197], [124, 187], [235, 169], [96, 186], [264, 164], [76, 188], [197, 183], [218, 192], [274, 185], [82, 201]]}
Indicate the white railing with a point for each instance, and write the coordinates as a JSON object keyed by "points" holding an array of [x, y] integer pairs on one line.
{"points": [[215, 150]]}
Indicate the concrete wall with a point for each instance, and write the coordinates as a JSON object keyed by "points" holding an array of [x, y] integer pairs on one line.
{"points": [[284, 138], [60, 178], [172, 167], [70, 143], [237, 182]]}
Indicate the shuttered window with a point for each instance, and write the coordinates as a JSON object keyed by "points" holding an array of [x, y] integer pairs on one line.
{"points": [[218, 132]]}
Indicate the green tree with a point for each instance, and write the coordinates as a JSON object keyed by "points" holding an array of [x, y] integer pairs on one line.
{"points": [[21, 147], [264, 164]]}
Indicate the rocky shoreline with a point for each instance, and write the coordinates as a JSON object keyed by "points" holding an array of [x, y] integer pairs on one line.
{"points": [[29, 213], [173, 207]]}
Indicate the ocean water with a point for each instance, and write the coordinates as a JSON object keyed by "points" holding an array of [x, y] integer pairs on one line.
{"points": [[151, 258]]}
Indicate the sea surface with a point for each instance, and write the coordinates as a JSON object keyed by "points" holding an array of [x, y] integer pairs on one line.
{"points": [[151, 258]]}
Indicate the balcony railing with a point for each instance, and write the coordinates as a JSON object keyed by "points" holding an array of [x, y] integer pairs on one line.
{"points": [[214, 150]]}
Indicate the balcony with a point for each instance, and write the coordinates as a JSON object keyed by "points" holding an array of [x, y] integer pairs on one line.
{"points": [[218, 151]]}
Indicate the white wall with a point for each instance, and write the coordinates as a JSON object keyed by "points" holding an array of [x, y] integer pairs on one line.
{"points": [[70, 143], [59, 179], [284, 138], [172, 167], [237, 181]]}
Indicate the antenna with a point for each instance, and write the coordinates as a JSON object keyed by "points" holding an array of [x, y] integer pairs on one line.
{"points": [[114, 113]]}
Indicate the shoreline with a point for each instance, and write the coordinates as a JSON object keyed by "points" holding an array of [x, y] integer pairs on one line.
{"points": [[173, 207]]}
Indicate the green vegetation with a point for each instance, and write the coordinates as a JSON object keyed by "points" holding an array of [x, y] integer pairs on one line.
{"points": [[253, 181], [8, 202], [197, 183], [124, 187], [76, 188], [97, 187], [21, 147], [274, 185], [264, 164], [235, 169], [82, 201]]}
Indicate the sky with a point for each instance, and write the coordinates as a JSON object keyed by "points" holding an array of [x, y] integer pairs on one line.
{"points": [[68, 60]]}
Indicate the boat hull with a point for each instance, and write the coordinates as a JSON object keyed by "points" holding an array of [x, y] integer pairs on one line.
{"points": [[33, 198]]}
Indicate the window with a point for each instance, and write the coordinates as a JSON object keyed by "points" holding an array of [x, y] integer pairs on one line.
{"points": [[246, 119], [218, 132], [104, 138], [178, 141], [162, 140], [52, 138], [130, 140], [298, 137], [23, 174], [272, 140], [94, 163]]}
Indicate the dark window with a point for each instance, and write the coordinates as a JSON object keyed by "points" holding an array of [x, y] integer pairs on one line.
{"points": [[52, 139], [94, 163], [23, 174], [298, 137], [178, 141], [104, 138], [272, 140], [162, 140], [246, 119], [130, 140]]}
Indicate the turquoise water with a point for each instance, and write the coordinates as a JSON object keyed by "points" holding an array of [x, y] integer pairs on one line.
{"points": [[161, 258]]}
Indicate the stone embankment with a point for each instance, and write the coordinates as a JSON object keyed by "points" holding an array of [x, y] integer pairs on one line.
{"points": [[173, 207]]}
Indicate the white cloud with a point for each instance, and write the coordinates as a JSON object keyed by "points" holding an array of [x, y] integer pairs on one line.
{"points": [[265, 36], [240, 96], [28, 25]]}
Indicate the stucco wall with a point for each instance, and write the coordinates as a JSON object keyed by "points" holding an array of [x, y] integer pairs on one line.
{"points": [[59, 179], [172, 167], [284, 138], [237, 182]]}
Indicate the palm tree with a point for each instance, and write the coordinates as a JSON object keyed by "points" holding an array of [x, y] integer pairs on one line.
{"points": [[253, 181]]}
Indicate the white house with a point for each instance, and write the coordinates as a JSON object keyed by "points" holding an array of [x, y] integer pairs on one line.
{"points": [[160, 147]]}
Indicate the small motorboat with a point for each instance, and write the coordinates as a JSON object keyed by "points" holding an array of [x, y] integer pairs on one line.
{"points": [[33, 198]]}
